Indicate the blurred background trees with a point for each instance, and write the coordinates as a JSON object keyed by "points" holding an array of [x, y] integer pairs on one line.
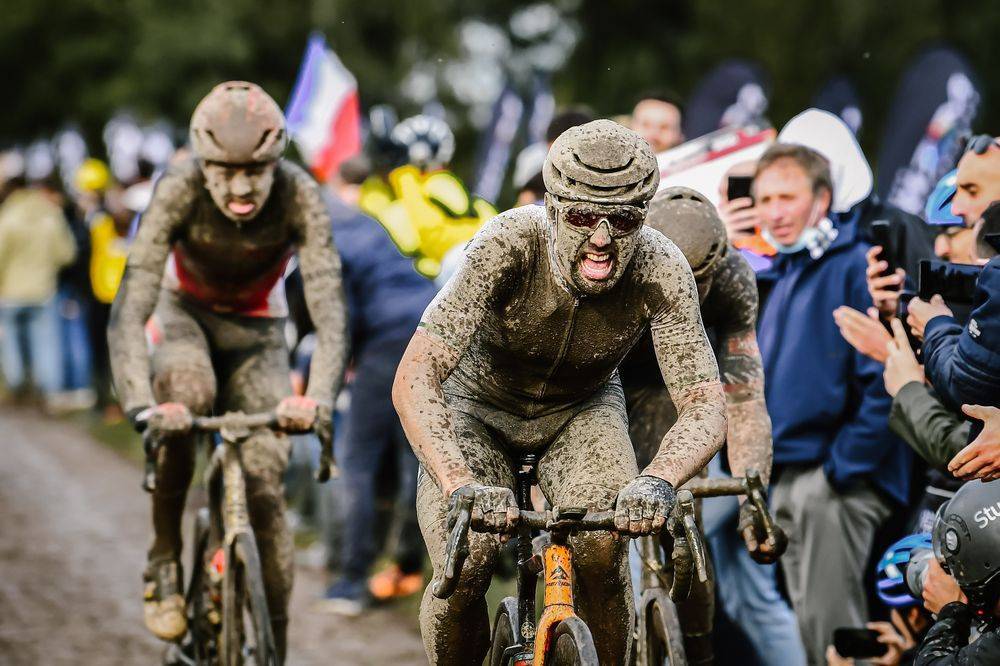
{"points": [[79, 61]]}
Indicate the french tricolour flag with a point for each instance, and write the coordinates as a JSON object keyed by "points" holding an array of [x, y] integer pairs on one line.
{"points": [[323, 114]]}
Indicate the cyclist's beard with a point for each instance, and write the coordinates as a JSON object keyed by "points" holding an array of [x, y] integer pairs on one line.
{"points": [[567, 252]]}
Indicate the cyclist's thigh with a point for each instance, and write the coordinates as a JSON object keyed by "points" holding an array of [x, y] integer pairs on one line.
{"points": [[254, 377], [482, 451], [181, 361], [253, 363], [591, 458], [651, 413]]}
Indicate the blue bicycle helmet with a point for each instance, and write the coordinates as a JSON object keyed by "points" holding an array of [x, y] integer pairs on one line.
{"points": [[937, 212], [890, 579]]}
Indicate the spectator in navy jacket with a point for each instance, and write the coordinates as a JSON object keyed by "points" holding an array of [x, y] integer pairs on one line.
{"points": [[385, 299], [839, 469]]}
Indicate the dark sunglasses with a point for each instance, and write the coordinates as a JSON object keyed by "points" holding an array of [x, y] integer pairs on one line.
{"points": [[622, 219], [980, 143]]}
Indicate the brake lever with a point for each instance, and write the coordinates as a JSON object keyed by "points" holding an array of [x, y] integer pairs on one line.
{"points": [[693, 535], [327, 463], [757, 495], [456, 550], [151, 447]]}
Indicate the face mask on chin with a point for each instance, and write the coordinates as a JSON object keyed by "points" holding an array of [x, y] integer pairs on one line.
{"points": [[817, 236]]}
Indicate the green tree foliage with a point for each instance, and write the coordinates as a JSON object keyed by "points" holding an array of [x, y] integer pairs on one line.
{"points": [[81, 60]]}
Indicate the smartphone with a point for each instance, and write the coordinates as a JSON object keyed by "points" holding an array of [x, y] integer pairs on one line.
{"points": [[858, 643], [955, 282], [882, 235], [739, 187]]}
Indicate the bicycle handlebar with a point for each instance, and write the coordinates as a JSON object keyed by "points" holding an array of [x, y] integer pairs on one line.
{"points": [[239, 424], [690, 557]]}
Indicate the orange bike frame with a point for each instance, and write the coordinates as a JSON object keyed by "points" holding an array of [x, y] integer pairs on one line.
{"points": [[558, 599]]}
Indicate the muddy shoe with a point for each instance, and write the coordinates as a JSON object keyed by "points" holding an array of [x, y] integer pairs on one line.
{"points": [[163, 603]]}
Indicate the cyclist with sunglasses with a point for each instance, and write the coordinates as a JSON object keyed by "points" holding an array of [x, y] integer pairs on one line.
{"points": [[519, 353]]}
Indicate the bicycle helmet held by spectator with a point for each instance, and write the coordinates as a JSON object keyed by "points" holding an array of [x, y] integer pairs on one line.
{"points": [[891, 575], [937, 212], [967, 542], [427, 142]]}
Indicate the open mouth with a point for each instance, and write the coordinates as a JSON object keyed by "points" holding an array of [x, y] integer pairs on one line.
{"points": [[596, 265], [241, 207]]}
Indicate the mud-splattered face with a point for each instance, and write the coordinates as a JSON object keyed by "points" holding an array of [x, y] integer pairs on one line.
{"points": [[593, 243], [239, 191]]}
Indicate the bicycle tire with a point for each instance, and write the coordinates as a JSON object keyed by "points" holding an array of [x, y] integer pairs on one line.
{"points": [[244, 601], [504, 633], [572, 645], [660, 638], [200, 633]]}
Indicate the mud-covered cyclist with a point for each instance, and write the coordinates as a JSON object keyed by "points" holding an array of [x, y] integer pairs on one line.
{"points": [[727, 289], [518, 353], [207, 266]]}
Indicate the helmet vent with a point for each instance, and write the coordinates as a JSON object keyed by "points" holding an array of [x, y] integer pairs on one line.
{"points": [[215, 141], [614, 169]]}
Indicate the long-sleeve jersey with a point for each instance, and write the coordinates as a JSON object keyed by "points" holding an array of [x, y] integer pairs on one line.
{"points": [[185, 244]]}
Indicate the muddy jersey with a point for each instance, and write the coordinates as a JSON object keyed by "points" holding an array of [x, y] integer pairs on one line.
{"points": [[187, 246], [728, 310], [529, 346]]}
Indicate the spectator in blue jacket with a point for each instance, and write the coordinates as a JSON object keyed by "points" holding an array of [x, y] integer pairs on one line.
{"points": [[963, 363], [839, 469], [385, 299]]}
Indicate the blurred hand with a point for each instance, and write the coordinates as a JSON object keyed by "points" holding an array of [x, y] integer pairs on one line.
{"points": [[981, 458], [884, 290], [940, 589], [762, 550], [921, 312], [167, 418], [888, 636], [740, 217], [901, 366], [833, 658], [864, 333], [296, 413]]}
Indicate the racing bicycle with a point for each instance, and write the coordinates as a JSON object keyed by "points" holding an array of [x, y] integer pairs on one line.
{"points": [[226, 604], [559, 637]]}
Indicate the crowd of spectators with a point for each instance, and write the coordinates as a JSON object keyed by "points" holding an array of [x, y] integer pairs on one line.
{"points": [[883, 396]]}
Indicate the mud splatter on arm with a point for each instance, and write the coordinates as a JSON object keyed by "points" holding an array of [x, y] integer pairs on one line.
{"points": [[742, 370], [172, 203], [323, 288], [445, 337], [689, 370]]}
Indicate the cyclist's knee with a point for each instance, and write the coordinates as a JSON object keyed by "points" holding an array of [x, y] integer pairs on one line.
{"points": [[598, 554], [191, 385]]}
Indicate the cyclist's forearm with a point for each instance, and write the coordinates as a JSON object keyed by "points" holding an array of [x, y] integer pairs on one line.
{"points": [[325, 300], [695, 437], [418, 396], [742, 374], [749, 438], [130, 366]]}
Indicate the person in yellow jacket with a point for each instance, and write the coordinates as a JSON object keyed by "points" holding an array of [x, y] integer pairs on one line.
{"points": [[35, 244], [425, 208]]}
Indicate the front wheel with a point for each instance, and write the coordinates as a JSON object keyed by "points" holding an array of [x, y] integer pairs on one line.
{"points": [[660, 639], [572, 645], [504, 631], [246, 623]]}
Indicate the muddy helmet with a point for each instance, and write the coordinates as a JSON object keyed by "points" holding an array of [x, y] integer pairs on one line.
{"points": [[686, 217], [966, 539], [238, 123], [601, 162]]}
